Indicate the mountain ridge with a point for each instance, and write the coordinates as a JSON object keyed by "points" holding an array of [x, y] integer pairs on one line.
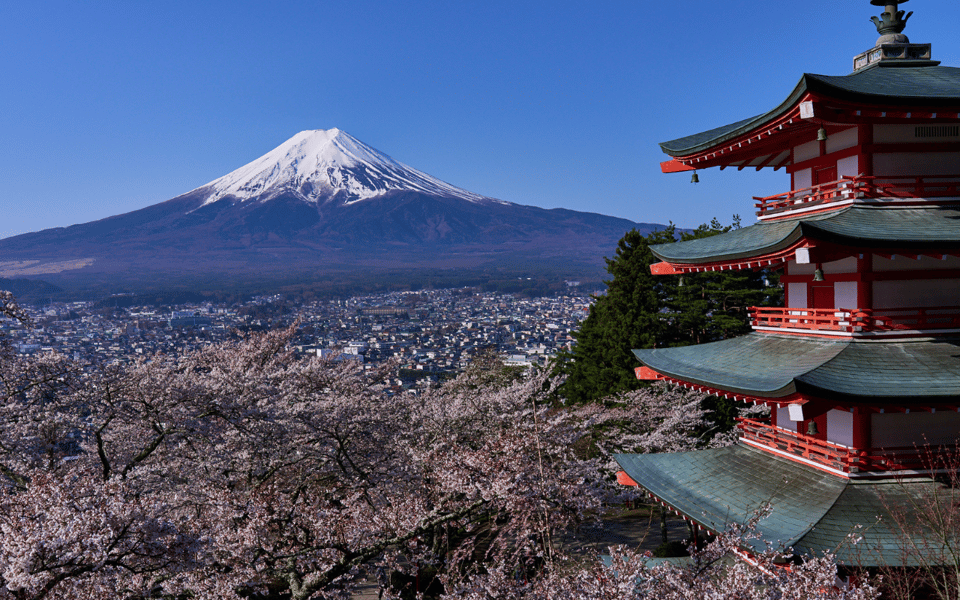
{"points": [[320, 203]]}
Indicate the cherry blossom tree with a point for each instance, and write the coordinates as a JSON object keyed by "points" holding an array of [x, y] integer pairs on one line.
{"points": [[243, 470], [926, 518], [31, 434], [719, 571], [10, 309]]}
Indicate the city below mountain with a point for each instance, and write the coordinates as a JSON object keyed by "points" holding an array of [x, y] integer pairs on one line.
{"points": [[321, 207]]}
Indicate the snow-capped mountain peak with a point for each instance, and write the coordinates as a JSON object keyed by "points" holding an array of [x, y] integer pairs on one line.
{"points": [[317, 165]]}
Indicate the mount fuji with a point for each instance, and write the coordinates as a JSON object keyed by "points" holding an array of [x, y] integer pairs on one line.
{"points": [[320, 204], [324, 166]]}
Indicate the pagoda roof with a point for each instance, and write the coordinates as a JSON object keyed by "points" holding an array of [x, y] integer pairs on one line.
{"points": [[859, 371], [812, 511], [863, 226], [882, 86]]}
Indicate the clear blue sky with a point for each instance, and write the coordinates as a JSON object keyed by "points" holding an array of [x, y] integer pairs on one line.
{"points": [[110, 106]]}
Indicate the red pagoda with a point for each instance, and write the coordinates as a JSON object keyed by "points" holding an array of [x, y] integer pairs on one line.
{"points": [[861, 369]]}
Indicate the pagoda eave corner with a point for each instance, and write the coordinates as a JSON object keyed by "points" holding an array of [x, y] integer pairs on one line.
{"points": [[675, 166], [664, 268], [647, 374]]}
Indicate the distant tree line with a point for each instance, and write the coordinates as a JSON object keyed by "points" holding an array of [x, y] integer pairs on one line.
{"points": [[529, 280]]}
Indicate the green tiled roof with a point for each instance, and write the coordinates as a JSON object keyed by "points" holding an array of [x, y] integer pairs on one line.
{"points": [[868, 503], [774, 366], [890, 371], [914, 86], [747, 242], [865, 226], [884, 226], [812, 511], [924, 86], [759, 364]]}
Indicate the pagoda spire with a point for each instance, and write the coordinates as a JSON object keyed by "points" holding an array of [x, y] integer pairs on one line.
{"points": [[893, 48], [891, 23]]}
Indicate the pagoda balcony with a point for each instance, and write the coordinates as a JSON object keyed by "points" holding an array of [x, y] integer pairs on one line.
{"points": [[860, 188], [858, 321], [834, 457]]}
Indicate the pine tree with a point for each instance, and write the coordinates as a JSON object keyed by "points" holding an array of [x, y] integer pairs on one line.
{"points": [[711, 306], [627, 316], [640, 310]]}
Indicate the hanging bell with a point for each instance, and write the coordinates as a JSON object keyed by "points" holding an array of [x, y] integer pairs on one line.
{"points": [[822, 135], [695, 178], [818, 274], [812, 428]]}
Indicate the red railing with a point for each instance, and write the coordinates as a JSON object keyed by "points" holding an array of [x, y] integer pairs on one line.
{"points": [[821, 319], [862, 187], [898, 319], [835, 456], [857, 320]]}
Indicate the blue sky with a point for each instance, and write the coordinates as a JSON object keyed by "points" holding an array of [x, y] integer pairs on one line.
{"points": [[110, 106]]}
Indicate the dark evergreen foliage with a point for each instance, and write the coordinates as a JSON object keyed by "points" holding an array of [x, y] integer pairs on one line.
{"points": [[640, 310]]}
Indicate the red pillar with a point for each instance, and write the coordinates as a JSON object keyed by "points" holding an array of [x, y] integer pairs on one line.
{"points": [[865, 134], [861, 428], [865, 281]]}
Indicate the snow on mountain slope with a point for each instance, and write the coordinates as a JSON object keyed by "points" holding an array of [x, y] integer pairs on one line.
{"points": [[316, 165]]}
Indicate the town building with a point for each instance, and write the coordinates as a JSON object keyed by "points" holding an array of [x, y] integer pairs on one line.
{"points": [[861, 367]]}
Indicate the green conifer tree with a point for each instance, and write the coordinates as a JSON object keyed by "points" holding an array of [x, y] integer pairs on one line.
{"points": [[641, 310], [626, 316], [711, 306]]}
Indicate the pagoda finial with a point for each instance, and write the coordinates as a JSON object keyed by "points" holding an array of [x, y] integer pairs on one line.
{"points": [[891, 23], [893, 49]]}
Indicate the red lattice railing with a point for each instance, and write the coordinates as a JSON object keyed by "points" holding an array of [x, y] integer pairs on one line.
{"points": [[861, 187], [820, 319], [835, 456], [898, 319], [857, 320]]}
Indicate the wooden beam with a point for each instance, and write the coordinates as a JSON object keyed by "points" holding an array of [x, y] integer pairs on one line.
{"points": [[766, 162]]}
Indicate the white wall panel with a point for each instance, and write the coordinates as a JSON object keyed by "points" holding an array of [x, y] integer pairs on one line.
{"points": [[840, 427], [802, 179], [796, 295], [924, 263], [845, 294], [806, 151], [916, 163], [842, 140], [783, 419], [846, 265], [891, 430], [916, 293], [848, 167], [905, 134]]}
